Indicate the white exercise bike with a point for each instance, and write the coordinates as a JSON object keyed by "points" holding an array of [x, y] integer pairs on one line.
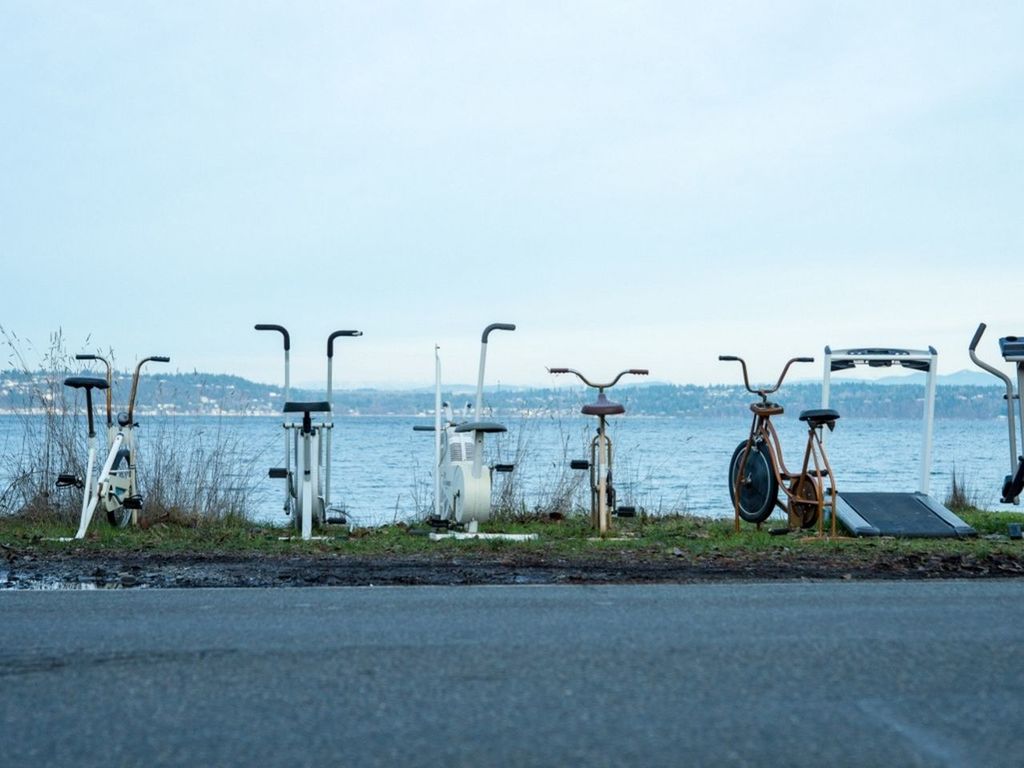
{"points": [[307, 447], [116, 486], [462, 481]]}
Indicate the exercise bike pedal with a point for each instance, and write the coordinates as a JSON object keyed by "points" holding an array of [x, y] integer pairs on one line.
{"points": [[503, 467], [68, 480], [579, 464], [132, 502], [625, 511], [336, 516], [278, 473]]}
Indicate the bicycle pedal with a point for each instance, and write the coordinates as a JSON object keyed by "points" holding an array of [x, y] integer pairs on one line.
{"points": [[68, 480], [579, 464], [625, 511], [336, 520], [278, 473], [504, 467], [132, 502]]}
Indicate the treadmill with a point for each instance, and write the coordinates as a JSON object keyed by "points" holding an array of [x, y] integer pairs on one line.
{"points": [[908, 515]]}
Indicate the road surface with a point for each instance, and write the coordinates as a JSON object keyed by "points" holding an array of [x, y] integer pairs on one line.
{"points": [[795, 674]]}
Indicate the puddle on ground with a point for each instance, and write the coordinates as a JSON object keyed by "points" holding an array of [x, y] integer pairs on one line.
{"points": [[9, 582]]}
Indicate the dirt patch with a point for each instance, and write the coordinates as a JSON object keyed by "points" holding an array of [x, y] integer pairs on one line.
{"points": [[27, 569]]}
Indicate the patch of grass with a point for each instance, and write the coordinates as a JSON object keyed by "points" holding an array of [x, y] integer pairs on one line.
{"points": [[988, 522]]}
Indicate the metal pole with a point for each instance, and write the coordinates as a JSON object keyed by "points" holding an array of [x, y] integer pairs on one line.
{"points": [[929, 421], [1020, 406], [437, 432]]}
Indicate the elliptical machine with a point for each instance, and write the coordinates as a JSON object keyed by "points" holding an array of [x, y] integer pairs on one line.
{"points": [[1012, 350]]}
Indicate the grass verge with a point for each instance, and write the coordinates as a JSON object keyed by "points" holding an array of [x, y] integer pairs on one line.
{"points": [[674, 536]]}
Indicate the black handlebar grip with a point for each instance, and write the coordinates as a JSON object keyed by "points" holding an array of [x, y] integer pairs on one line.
{"points": [[496, 327], [336, 334], [160, 359], [558, 370], [977, 336], [280, 328], [728, 358], [85, 357], [803, 359], [639, 371]]}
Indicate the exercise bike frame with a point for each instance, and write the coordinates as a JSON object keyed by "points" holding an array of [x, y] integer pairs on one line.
{"points": [[602, 489], [762, 438], [115, 486]]}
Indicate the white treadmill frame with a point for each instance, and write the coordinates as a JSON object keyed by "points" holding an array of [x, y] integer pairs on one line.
{"points": [[894, 356]]}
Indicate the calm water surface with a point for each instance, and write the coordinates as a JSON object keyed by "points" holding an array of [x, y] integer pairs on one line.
{"points": [[381, 468]]}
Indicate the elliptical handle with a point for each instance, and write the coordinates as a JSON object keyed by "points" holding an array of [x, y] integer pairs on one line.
{"points": [[280, 329], [160, 359], [558, 370], [977, 337], [803, 359], [496, 327], [86, 357], [336, 334]]}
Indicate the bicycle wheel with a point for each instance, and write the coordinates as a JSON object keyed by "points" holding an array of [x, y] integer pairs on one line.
{"points": [[758, 487], [804, 500], [117, 514]]}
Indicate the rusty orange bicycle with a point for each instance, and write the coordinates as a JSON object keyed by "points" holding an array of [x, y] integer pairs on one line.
{"points": [[757, 471]]}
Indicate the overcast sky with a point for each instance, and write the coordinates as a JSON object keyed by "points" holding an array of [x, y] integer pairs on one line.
{"points": [[635, 184]]}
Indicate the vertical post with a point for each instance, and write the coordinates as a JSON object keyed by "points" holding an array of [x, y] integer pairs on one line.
{"points": [[330, 401], [826, 379], [329, 431], [287, 396], [437, 432], [478, 413], [1020, 406], [929, 421], [602, 479]]}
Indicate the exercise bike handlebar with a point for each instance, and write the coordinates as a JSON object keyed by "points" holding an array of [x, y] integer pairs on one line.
{"points": [[496, 327], [632, 371], [280, 329], [336, 334], [135, 382], [763, 393]]}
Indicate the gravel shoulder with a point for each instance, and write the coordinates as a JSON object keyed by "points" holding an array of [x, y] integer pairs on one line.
{"points": [[134, 569]]}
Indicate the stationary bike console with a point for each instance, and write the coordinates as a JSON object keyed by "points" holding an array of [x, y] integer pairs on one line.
{"points": [[1012, 348]]}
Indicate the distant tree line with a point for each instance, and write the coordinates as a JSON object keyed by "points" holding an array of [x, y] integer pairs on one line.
{"points": [[201, 393]]}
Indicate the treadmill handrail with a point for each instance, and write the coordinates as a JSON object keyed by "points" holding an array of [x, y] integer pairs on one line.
{"points": [[899, 355]]}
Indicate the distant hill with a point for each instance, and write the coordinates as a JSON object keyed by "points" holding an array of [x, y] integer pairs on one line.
{"points": [[204, 393]]}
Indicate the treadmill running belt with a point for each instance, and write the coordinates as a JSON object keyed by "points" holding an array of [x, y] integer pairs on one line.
{"points": [[899, 514]]}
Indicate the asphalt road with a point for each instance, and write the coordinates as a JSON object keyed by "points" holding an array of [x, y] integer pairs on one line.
{"points": [[794, 674]]}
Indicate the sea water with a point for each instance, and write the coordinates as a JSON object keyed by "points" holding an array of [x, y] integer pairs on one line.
{"points": [[382, 469]]}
